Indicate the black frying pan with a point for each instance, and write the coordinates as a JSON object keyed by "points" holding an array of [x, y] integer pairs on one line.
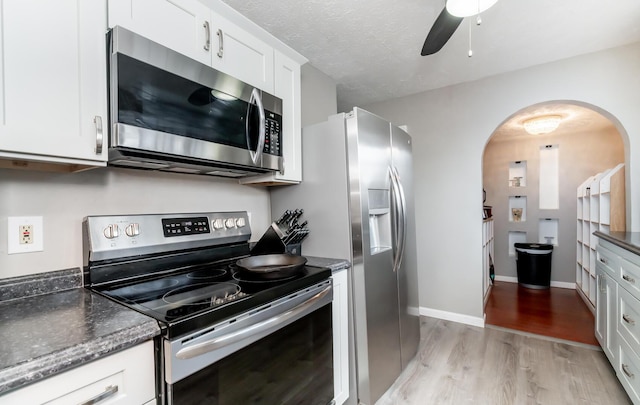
{"points": [[272, 266]]}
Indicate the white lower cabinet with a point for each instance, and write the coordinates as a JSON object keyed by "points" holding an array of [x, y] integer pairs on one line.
{"points": [[123, 378], [340, 336], [618, 313], [606, 313]]}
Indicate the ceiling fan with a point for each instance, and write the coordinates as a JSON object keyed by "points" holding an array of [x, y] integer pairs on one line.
{"points": [[448, 21]]}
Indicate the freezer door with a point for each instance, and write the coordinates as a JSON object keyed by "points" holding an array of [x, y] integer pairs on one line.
{"points": [[401, 160], [375, 289]]}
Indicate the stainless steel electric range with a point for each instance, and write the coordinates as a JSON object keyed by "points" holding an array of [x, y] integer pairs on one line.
{"points": [[227, 337]]}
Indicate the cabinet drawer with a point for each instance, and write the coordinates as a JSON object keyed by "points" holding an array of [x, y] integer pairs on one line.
{"points": [[608, 261], [630, 277], [629, 318], [628, 371], [123, 378]]}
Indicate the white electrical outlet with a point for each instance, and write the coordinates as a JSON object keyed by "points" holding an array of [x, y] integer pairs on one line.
{"points": [[25, 234]]}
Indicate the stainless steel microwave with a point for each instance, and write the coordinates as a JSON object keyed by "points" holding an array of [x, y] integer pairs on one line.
{"points": [[169, 112]]}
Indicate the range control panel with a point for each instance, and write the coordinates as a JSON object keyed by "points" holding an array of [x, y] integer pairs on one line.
{"points": [[116, 236], [185, 226]]}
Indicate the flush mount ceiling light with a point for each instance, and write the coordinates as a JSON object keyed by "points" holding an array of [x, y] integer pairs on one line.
{"points": [[466, 8], [542, 125]]}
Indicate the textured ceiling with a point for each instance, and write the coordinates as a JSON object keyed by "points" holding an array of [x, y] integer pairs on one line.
{"points": [[371, 48]]}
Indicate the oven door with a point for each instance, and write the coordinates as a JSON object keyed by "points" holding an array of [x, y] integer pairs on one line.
{"points": [[280, 353]]}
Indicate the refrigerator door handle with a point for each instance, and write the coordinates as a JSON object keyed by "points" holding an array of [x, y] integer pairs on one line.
{"points": [[401, 226]]}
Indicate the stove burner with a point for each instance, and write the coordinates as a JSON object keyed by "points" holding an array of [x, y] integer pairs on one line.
{"points": [[155, 285], [198, 294], [207, 274]]}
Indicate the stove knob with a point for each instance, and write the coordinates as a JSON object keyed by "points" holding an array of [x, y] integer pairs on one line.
{"points": [[111, 231], [218, 223], [230, 223], [240, 222], [132, 230]]}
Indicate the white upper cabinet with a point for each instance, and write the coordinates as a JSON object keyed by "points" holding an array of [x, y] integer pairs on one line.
{"points": [[287, 88], [53, 103], [183, 25], [191, 28], [238, 53]]}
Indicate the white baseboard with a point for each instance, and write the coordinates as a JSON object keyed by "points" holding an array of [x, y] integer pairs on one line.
{"points": [[559, 284], [452, 316]]}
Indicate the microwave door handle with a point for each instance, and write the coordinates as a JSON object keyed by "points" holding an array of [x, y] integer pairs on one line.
{"points": [[257, 155]]}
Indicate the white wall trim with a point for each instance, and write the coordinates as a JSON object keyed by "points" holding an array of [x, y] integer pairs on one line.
{"points": [[452, 316], [559, 284]]}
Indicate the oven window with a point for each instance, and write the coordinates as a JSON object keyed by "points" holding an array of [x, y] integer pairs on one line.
{"points": [[291, 366]]}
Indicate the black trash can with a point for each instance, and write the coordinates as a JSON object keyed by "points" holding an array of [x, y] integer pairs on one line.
{"points": [[533, 262]]}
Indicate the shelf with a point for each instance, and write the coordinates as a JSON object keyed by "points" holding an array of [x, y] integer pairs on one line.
{"points": [[517, 208], [548, 231], [518, 173], [516, 237]]}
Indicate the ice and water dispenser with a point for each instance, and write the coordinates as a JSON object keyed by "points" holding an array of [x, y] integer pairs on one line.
{"points": [[379, 220]]}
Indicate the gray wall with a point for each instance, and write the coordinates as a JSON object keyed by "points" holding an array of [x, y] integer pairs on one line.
{"points": [[581, 155], [450, 128], [64, 199], [318, 95]]}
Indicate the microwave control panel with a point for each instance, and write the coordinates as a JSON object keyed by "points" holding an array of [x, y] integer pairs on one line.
{"points": [[273, 134]]}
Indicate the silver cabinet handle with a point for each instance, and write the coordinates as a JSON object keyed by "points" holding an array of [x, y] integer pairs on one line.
{"points": [[625, 368], [207, 31], [628, 319], [109, 391], [230, 338], [220, 43], [255, 98], [629, 279], [97, 120], [603, 260]]}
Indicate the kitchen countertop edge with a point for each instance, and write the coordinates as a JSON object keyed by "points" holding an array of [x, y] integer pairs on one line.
{"points": [[333, 264], [78, 355], [627, 240]]}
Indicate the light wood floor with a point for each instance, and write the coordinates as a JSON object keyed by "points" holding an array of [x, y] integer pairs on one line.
{"points": [[553, 312], [461, 364]]}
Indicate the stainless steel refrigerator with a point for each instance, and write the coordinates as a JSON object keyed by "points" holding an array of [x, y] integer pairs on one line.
{"points": [[357, 196]]}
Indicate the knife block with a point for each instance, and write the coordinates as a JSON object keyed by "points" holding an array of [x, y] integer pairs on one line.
{"points": [[271, 243]]}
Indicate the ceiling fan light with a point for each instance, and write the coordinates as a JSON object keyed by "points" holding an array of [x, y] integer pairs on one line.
{"points": [[542, 125], [466, 8]]}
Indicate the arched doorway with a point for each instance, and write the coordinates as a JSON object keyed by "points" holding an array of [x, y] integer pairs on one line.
{"points": [[522, 172]]}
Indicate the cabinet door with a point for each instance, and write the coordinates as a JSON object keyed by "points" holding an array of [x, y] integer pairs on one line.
{"points": [[287, 88], [241, 55], [53, 80], [181, 25], [606, 313], [340, 336]]}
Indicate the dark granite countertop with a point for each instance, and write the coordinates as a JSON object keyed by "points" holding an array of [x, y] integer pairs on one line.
{"points": [[626, 240], [333, 264], [46, 334]]}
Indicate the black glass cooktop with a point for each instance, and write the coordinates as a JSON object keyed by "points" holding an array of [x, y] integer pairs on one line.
{"points": [[195, 297]]}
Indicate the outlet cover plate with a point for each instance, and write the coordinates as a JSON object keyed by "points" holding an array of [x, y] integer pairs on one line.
{"points": [[13, 235]]}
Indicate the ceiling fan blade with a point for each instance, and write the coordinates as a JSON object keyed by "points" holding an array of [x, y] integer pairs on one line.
{"points": [[442, 29]]}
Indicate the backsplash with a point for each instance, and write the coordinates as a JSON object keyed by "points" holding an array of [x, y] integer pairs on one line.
{"points": [[64, 199]]}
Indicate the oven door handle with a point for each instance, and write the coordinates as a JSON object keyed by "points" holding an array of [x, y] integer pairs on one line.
{"points": [[222, 341]]}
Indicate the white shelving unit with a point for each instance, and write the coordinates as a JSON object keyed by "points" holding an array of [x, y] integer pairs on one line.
{"points": [[487, 254], [600, 206]]}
